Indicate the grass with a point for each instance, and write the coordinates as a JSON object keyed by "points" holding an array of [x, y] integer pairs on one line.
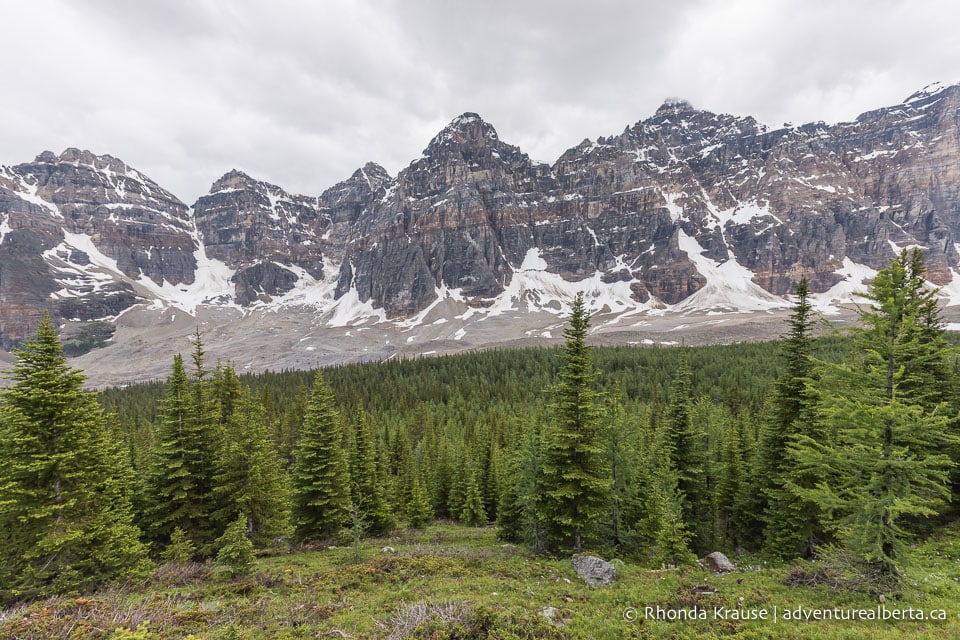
{"points": [[450, 581]]}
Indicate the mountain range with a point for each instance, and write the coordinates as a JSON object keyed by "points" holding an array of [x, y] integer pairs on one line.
{"points": [[684, 214]]}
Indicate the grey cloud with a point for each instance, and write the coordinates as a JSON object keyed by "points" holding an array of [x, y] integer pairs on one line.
{"points": [[301, 93]]}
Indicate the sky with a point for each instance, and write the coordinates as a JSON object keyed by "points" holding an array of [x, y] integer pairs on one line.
{"points": [[301, 93]]}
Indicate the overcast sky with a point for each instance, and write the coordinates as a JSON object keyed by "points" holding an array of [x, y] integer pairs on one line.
{"points": [[301, 93]]}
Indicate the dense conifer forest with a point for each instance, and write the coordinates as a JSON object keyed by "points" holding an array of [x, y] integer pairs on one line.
{"points": [[840, 448]]}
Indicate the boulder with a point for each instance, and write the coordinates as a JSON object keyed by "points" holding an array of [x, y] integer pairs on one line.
{"points": [[594, 571], [718, 563]]}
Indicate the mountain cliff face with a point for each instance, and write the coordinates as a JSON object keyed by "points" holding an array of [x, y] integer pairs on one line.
{"points": [[60, 216], [684, 211]]}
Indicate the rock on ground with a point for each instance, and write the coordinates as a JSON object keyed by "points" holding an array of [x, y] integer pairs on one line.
{"points": [[594, 571], [719, 563]]}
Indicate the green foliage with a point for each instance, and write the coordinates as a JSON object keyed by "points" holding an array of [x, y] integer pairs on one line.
{"points": [[142, 632], [66, 518], [180, 550], [366, 491], [321, 482], [483, 418], [623, 453], [250, 479], [882, 460], [574, 481], [671, 538], [235, 551], [518, 512], [420, 512], [473, 512], [728, 489], [662, 527], [178, 484], [683, 443], [791, 523]]}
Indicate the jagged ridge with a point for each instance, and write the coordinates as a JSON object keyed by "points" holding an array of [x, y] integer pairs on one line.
{"points": [[686, 210]]}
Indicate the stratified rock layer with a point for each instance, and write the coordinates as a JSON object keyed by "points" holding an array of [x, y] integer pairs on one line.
{"points": [[672, 210]]}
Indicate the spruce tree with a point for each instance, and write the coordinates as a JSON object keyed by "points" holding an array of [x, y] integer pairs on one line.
{"points": [[457, 491], [184, 458], [235, 557], [790, 523], [420, 511], [672, 539], [473, 512], [366, 491], [883, 461], [664, 523], [180, 550], [575, 480], [684, 444], [250, 478], [226, 391], [623, 462], [789, 397], [727, 489], [321, 481], [65, 512], [178, 494], [519, 516]]}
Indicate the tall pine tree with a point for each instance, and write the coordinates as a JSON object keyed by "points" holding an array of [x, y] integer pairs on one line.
{"points": [[181, 473], [575, 480], [321, 480], [250, 480], [884, 460], [685, 445], [65, 512], [366, 492], [791, 524]]}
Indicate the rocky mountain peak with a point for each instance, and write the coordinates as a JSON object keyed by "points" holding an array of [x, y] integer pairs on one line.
{"points": [[672, 106], [931, 90], [233, 180], [686, 210], [84, 157], [47, 157], [468, 130], [373, 174]]}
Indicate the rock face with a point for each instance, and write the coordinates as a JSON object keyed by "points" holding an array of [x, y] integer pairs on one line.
{"points": [[686, 210], [142, 226], [676, 203], [108, 208], [594, 571], [444, 222], [245, 222]]}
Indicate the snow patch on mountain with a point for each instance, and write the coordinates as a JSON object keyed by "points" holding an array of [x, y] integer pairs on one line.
{"points": [[443, 293], [729, 287], [676, 211], [212, 280], [350, 310], [212, 284], [950, 292], [744, 213], [854, 283], [533, 288], [28, 192], [4, 229]]}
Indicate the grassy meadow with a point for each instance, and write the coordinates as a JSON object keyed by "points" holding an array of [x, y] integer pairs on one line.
{"points": [[452, 581]]}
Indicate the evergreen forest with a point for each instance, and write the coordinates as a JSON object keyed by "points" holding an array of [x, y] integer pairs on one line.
{"points": [[837, 448]]}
